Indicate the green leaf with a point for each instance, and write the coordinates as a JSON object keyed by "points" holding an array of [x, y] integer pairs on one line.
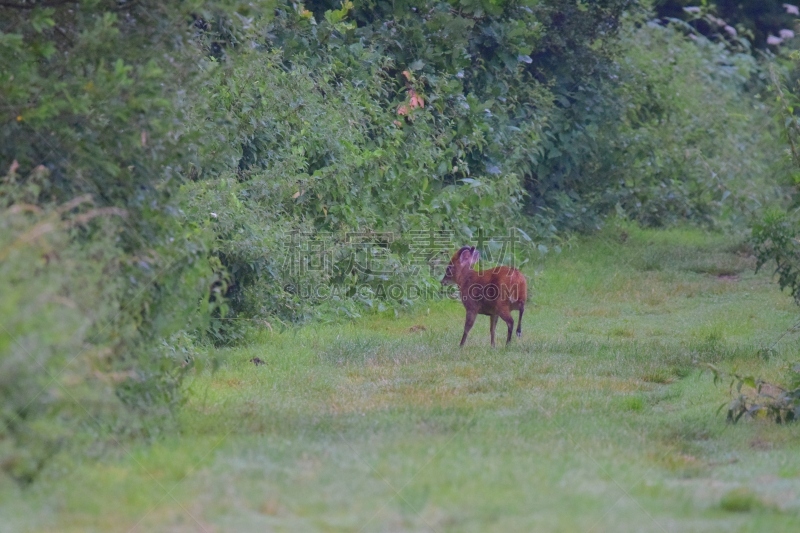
{"points": [[524, 235]]}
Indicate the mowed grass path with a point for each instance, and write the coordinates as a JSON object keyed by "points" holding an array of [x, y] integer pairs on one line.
{"points": [[599, 419]]}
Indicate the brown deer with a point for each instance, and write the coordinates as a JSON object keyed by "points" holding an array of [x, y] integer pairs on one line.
{"points": [[494, 292]]}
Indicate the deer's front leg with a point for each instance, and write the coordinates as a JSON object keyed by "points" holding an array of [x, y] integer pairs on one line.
{"points": [[468, 325]]}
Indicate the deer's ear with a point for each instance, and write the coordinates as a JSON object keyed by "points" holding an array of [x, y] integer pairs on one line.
{"points": [[465, 258], [476, 255]]}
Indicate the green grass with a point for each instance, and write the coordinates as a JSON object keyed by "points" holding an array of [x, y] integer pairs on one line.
{"points": [[597, 420]]}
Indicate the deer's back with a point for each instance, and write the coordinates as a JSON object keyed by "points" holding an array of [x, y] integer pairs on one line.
{"points": [[500, 287]]}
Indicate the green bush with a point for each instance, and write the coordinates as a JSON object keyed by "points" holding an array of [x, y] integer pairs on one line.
{"points": [[101, 276], [693, 140], [731, 154], [87, 342], [54, 293], [371, 170]]}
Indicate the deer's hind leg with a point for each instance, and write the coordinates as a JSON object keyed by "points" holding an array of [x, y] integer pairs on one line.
{"points": [[505, 314]]}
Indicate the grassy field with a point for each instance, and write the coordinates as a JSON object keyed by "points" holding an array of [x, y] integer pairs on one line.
{"points": [[598, 419]]}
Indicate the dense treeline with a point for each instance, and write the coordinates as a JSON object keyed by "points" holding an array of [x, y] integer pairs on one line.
{"points": [[167, 161], [755, 19]]}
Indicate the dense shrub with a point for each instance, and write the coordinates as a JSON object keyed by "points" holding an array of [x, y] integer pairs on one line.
{"points": [[406, 148], [98, 268], [73, 355], [52, 296], [693, 132]]}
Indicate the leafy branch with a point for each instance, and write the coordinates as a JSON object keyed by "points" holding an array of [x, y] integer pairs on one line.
{"points": [[752, 396]]}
